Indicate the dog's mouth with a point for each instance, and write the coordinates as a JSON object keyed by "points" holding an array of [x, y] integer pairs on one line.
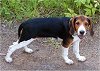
{"points": [[81, 36]]}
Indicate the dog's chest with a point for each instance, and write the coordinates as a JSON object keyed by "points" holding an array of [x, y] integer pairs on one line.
{"points": [[76, 38]]}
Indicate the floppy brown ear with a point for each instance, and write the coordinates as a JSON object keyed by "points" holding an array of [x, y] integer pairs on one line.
{"points": [[72, 25], [90, 26]]}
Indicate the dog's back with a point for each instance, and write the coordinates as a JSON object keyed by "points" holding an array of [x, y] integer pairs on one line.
{"points": [[43, 27]]}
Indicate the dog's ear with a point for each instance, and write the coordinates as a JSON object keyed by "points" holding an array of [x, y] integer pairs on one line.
{"points": [[90, 26], [72, 25]]}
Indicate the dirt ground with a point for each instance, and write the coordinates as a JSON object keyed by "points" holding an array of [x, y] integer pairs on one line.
{"points": [[46, 56]]}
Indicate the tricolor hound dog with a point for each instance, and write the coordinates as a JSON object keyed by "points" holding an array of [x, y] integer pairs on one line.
{"points": [[70, 30]]}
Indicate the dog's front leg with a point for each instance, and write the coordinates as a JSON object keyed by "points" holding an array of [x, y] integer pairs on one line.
{"points": [[76, 51], [66, 44], [65, 55]]}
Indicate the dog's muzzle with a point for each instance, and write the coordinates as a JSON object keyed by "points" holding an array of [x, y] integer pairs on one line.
{"points": [[81, 34]]}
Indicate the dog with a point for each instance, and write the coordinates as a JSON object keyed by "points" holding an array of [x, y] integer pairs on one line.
{"points": [[70, 30]]}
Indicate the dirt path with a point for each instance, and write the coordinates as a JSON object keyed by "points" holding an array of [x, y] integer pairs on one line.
{"points": [[46, 56]]}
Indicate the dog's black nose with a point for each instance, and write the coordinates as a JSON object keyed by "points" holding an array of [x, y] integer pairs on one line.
{"points": [[82, 32]]}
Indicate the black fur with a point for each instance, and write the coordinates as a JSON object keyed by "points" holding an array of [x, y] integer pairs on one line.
{"points": [[44, 27]]}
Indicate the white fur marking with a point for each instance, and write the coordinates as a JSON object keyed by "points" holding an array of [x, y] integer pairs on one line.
{"points": [[12, 48], [81, 28], [76, 38], [76, 51], [28, 50], [65, 56], [81, 58]]}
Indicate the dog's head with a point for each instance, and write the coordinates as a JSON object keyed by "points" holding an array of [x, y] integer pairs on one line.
{"points": [[80, 24]]}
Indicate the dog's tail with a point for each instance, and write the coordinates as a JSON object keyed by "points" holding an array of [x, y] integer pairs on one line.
{"points": [[20, 29]]}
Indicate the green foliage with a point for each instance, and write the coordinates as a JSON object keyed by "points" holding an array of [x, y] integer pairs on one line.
{"points": [[22, 9], [70, 13]]}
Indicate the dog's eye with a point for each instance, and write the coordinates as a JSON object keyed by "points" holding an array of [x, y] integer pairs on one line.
{"points": [[77, 23], [86, 24]]}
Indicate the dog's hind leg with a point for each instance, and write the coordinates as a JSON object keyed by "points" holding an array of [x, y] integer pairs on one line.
{"points": [[28, 50], [13, 48]]}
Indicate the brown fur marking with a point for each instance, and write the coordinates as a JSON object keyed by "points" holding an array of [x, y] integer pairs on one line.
{"points": [[67, 43]]}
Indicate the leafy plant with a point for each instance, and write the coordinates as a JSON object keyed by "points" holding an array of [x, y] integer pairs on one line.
{"points": [[90, 10], [22, 9], [71, 13]]}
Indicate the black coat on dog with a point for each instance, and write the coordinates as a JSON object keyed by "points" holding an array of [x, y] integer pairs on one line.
{"points": [[44, 27]]}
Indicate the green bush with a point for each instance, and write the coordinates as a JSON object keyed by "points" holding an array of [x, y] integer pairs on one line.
{"points": [[23, 9]]}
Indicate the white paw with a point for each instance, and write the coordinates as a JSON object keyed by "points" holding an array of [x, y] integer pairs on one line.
{"points": [[28, 50], [69, 61], [8, 59], [81, 58]]}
